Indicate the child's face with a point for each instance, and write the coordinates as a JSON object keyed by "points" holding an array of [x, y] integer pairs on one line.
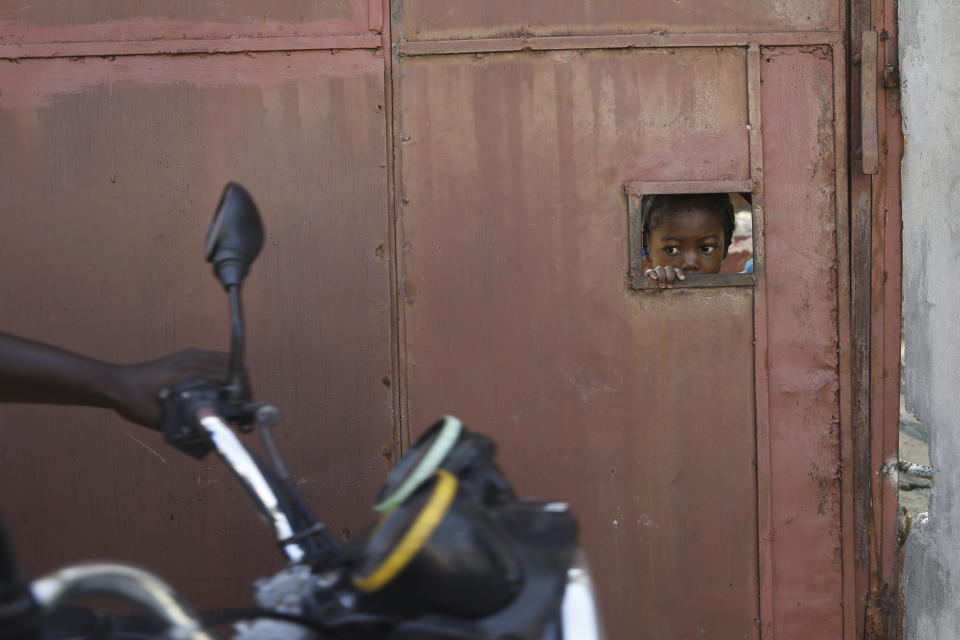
{"points": [[690, 239]]}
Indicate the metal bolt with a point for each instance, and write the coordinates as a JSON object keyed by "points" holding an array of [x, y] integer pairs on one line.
{"points": [[268, 415]]}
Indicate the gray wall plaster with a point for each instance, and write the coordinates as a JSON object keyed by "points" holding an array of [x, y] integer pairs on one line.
{"points": [[930, 86]]}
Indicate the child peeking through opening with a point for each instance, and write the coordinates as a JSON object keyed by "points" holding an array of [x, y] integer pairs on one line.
{"points": [[685, 234]]}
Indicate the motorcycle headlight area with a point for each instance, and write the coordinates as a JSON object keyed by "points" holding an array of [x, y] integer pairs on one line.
{"points": [[418, 465], [448, 445], [439, 550], [456, 552]]}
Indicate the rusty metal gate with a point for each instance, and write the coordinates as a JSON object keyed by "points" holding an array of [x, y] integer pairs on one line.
{"points": [[695, 431], [448, 231], [120, 124]]}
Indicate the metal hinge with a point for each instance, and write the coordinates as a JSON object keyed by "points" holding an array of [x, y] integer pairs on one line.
{"points": [[914, 469], [876, 625], [891, 77], [909, 468]]}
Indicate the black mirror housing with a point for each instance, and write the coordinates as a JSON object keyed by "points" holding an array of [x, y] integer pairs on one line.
{"points": [[235, 236]]}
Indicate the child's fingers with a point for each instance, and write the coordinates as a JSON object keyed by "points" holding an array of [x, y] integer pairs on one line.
{"points": [[659, 275], [663, 276]]}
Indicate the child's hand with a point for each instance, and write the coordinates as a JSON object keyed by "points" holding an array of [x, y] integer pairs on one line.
{"points": [[665, 276]]}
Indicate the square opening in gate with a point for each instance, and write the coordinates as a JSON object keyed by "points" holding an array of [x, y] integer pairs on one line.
{"points": [[691, 237]]}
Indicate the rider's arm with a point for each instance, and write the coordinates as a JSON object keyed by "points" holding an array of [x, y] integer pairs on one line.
{"points": [[39, 373]]}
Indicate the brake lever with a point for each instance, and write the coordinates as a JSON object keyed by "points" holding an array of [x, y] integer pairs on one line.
{"points": [[182, 401]]}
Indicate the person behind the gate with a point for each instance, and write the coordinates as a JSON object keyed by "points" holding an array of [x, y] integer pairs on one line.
{"points": [[685, 234]]}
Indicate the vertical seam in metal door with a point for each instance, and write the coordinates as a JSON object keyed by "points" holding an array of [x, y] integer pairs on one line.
{"points": [[761, 369], [393, 32]]}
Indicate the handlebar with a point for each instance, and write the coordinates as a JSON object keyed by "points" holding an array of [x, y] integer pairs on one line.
{"points": [[246, 470], [141, 588], [198, 414]]}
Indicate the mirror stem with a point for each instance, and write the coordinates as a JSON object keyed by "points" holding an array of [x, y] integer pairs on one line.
{"points": [[237, 384]]}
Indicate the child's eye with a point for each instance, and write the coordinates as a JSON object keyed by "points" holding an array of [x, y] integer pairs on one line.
{"points": [[707, 249], [672, 251]]}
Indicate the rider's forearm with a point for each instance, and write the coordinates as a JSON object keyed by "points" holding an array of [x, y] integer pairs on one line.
{"points": [[38, 373]]}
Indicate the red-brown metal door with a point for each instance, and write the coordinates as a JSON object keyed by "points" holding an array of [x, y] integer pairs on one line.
{"points": [[113, 152], [697, 432]]}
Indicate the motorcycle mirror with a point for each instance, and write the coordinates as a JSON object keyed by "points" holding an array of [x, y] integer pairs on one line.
{"points": [[235, 236]]}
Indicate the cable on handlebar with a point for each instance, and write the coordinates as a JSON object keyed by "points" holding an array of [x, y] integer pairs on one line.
{"points": [[306, 528]]}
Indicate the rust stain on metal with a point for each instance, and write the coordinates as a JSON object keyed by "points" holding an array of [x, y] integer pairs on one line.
{"points": [[819, 51], [388, 452]]}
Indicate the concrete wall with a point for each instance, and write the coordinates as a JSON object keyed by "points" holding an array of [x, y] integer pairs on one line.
{"points": [[930, 73]]}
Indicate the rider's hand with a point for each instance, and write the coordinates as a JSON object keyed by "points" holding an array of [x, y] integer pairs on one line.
{"points": [[40, 373], [665, 276], [136, 386]]}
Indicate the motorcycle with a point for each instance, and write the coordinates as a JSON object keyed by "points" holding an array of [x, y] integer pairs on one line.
{"points": [[453, 555]]}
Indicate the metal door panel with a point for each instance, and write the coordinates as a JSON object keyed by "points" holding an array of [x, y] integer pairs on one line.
{"points": [[111, 173], [100, 20], [456, 19], [801, 243], [515, 310], [637, 408]]}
